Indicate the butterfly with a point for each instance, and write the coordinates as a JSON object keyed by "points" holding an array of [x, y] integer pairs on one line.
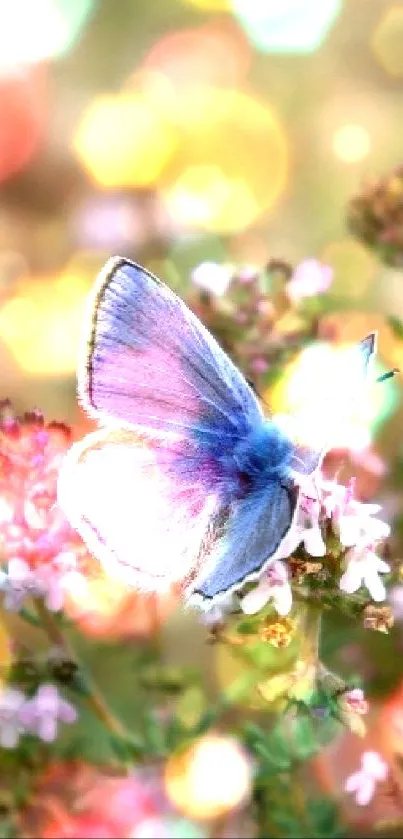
{"points": [[186, 482]]}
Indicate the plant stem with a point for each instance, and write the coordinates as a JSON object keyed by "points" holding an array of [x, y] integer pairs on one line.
{"points": [[92, 695]]}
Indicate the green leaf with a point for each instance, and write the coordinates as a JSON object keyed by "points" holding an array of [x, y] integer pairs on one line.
{"points": [[396, 326], [302, 732], [324, 818]]}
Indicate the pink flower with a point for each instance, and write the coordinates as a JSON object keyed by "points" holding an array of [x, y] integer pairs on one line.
{"points": [[11, 726], [354, 700], [274, 584], [363, 783], [41, 714], [36, 539], [309, 278]]}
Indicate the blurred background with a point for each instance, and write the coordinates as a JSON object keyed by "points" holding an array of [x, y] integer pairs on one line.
{"points": [[179, 131]]}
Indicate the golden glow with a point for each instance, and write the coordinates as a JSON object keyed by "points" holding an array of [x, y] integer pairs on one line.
{"points": [[351, 143], [42, 323], [209, 779], [123, 140], [211, 5], [353, 266], [232, 164], [387, 41]]}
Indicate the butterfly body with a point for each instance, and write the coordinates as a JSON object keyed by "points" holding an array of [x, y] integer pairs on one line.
{"points": [[186, 482]]}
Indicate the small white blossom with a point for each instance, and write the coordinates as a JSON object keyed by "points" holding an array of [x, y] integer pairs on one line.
{"points": [[363, 783], [363, 568], [273, 584], [307, 530], [310, 277], [212, 277]]}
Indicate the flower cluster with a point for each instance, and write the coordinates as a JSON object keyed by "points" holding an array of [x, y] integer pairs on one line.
{"points": [[242, 308], [376, 216], [327, 509], [74, 799], [38, 715], [39, 551]]}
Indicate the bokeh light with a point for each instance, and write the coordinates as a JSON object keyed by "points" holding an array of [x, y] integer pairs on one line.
{"points": [[211, 5], [387, 41], [298, 26], [324, 392], [351, 143], [103, 608], [41, 323], [233, 163], [32, 30], [23, 115], [210, 778], [124, 140], [216, 54], [353, 266]]}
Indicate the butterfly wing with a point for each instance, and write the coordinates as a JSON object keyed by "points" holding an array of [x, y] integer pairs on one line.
{"points": [[253, 538], [151, 364], [142, 519]]}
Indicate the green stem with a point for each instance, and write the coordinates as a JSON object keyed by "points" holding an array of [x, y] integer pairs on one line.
{"points": [[92, 695]]}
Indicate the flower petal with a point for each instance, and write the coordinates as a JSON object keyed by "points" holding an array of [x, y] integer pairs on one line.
{"points": [[256, 599], [366, 791]]}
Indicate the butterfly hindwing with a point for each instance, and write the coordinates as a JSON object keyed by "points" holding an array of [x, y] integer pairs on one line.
{"points": [[252, 537]]}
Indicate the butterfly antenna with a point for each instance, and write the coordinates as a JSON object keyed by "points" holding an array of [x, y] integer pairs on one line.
{"points": [[256, 392], [388, 375]]}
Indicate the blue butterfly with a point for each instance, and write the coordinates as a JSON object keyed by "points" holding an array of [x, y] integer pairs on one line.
{"points": [[187, 481]]}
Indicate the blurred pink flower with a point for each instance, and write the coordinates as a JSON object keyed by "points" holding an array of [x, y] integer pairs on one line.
{"points": [[363, 783], [11, 726], [309, 278], [355, 701], [41, 714], [36, 540], [273, 584]]}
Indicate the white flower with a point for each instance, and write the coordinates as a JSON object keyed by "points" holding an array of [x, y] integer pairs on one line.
{"points": [[307, 529], [212, 277], [11, 726], [274, 584], [309, 278], [353, 520], [363, 568], [363, 782]]}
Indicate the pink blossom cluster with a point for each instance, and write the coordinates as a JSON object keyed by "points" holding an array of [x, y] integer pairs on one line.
{"points": [[39, 551], [38, 715], [135, 806]]}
